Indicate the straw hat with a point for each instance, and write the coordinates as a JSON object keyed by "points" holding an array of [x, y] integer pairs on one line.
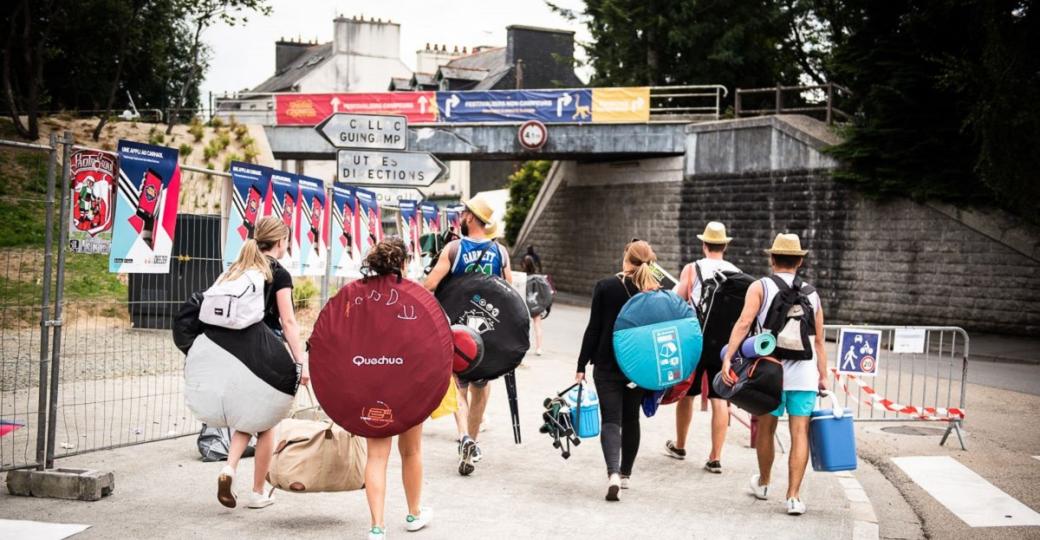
{"points": [[480, 209], [787, 244], [714, 233]]}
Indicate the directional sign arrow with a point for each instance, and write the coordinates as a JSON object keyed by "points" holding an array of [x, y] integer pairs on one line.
{"points": [[377, 131], [402, 169]]}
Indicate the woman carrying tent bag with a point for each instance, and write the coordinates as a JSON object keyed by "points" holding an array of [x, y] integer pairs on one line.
{"points": [[619, 404]]}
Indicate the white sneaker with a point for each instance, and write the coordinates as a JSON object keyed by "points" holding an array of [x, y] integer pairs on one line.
{"points": [[376, 533], [414, 523], [225, 487], [795, 507], [624, 482], [538, 352], [260, 500], [760, 492], [614, 488]]}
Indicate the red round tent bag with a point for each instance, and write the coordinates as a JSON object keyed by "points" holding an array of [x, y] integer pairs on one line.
{"points": [[381, 356]]}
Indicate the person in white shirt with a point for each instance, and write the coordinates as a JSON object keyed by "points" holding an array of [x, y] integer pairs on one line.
{"points": [[713, 246], [803, 379]]}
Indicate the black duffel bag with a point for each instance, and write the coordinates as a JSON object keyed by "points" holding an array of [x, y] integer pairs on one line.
{"points": [[760, 383]]}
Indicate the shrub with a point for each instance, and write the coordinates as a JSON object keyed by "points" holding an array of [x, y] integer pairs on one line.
{"points": [[229, 158], [221, 141], [241, 132], [250, 154], [210, 152], [197, 131], [215, 122], [185, 149], [156, 136], [303, 292]]}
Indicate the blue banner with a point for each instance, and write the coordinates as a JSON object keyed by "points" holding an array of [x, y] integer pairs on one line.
{"points": [[314, 231], [251, 200], [146, 209], [549, 106], [343, 239], [370, 220], [285, 197]]}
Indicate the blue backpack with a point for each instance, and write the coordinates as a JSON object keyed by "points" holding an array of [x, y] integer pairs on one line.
{"points": [[657, 340]]}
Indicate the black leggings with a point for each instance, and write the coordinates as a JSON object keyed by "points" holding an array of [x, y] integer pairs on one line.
{"points": [[619, 406]]}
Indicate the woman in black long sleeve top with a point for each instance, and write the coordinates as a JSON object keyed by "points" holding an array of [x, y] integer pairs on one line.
{"points": [[619, 404]]}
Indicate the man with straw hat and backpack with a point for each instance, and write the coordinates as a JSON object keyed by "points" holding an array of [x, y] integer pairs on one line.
{"points": [[789, 308], [476, 251]]}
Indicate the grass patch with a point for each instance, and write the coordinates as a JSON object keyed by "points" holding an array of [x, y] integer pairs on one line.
{"points": [[87, 278]]}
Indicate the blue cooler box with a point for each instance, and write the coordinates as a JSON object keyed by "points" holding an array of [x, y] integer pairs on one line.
{"points": [[832, 440], [586, 418]]}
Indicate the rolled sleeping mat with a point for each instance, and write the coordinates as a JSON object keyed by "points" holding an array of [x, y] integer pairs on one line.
{"points": [[657, 340], [381, 356], [241, 379], [754, 346], [469, 349]]}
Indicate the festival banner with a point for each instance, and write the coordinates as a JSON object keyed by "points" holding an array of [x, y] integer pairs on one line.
{"points": [[250, 200], [343, 243], [92, 174], [549, 106], [431, 217], [146, 214], [453, 218], [621, 105], [285, 196], [310, 109], [313, 227], [410, 228], [369, 218]]}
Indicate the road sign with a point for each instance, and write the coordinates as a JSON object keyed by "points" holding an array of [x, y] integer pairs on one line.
{"points": [[859, 351], [389, 197], [532, 135], [375, 131], [400, 169]]}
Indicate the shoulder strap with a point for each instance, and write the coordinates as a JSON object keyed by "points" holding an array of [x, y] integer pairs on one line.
{"points": [[621, 278], [782, 285]]}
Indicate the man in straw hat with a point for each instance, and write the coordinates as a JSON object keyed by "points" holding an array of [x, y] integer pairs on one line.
{"points": [[713, 245], [803, 378], [477, 251]]}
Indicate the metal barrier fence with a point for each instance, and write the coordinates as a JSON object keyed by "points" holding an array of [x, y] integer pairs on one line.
{"points": [[931, 382]]}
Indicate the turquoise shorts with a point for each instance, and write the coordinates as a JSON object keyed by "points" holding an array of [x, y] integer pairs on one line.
{"points": [[796, 403]]}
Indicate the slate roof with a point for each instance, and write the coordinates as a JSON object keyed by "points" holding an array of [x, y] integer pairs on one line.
{"points": [[308, 61]]}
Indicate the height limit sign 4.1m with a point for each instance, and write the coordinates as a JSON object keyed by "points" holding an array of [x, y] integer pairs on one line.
{"points": [[368, 131]]}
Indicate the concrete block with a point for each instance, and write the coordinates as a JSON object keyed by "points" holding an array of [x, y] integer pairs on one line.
{"points": [[74, 484]]}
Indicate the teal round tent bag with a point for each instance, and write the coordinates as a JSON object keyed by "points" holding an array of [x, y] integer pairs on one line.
{"points": [[657, 340]]}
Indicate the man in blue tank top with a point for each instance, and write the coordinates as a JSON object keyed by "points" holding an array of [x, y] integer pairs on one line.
{"points": [[477, 251]]}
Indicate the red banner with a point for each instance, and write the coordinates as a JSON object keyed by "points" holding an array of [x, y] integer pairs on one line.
{"points": [[310, 109]]}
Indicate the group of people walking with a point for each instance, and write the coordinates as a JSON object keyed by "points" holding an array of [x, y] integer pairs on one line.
{"points": [[619, 399]]}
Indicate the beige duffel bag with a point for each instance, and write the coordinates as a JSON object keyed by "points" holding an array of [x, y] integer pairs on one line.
{"points": [[317, 455]]}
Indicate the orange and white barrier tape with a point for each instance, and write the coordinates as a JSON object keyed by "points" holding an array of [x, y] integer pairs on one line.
{"points": [[878, 402]]}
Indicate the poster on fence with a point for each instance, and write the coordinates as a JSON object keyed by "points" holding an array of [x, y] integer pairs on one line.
{"points": [[369, 219], [285, 194], [429, 237], [146, 211], [250, 200], [92, 174], [314, 232], [410, 227], [453, 218], [343, 244]]}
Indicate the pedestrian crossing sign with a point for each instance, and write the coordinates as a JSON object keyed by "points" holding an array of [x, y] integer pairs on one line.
{"points": [[859, 351]]}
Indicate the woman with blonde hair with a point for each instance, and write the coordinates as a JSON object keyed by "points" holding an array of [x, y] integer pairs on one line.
{"points": [[261, 253], [619, 404]]}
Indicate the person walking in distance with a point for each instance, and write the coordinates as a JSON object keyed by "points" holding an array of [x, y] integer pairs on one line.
{"points": [[789, 308], [692, 289], [532, 266], [619, 403], [269, 243], [476, 251]]}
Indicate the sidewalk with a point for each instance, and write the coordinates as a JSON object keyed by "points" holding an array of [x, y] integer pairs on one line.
{"points": [[518, 491]]}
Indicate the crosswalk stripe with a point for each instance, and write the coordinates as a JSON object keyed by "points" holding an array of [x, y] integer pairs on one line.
{"points": [[966, 494]]}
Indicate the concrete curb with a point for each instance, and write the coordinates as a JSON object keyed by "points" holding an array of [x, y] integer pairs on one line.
{"points": [[865, 522]]}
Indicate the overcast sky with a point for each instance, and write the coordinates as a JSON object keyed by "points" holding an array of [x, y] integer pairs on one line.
{"points": [[243, 55]]}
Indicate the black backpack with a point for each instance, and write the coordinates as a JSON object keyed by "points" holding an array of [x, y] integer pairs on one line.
{"points": [[792, 320], [721, 301]]}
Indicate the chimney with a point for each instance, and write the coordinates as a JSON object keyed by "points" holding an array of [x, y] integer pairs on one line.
{"points": [[366, 37], [286, 52], [541, 50]]}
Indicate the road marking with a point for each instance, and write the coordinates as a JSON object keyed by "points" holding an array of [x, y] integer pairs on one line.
{"points": [[966, 494], [1036, 458], [38, 530]]}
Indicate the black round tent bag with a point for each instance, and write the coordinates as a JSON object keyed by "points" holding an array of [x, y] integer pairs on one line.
{"points": [[489, 305]]}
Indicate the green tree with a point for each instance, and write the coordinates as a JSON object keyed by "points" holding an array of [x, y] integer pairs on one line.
{"points": [[948, 101], [524, 185]]}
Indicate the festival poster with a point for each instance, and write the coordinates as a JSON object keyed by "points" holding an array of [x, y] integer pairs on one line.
{"points": [[431, 217], [410, 229], [92, 174], [343, 244], [369, 220], [250, 200], [146, 214], [285, 194], [313, 227], [453, 218]]}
